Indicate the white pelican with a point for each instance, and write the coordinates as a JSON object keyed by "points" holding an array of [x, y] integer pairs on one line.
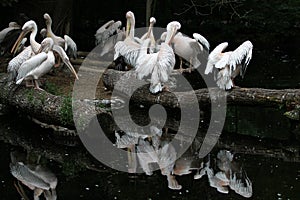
{"points": [[42, 63], [234, 174], [67, 43], [28, 52], [43, 33], [35, 177], [150, 35], [11, 26], [159, 65], [189, 48], [129, 48], [229, 64]]}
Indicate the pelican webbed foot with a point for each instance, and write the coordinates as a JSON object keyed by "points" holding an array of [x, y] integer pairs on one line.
{"points": [[166, 89], [172, 183], [36, 85]]}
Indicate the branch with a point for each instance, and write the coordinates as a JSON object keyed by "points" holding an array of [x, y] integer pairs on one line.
{"points": [[237, 96]]}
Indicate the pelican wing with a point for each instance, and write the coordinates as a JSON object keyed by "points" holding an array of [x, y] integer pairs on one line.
{"points": [[30, 65], [202, 40], [20, 171], [70, 46], [145, 62], [241, 56], [164, 65], [240, 187], [106, 31], [104, 27], [111, 42], [215, 56], [221, 64], [16, 62], [129, 50]]}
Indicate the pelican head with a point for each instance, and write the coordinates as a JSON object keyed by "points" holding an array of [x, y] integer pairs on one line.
{"points": [[130, 22], [173, 25], [118, 24], [129, 14], [47, 19], [172, 29], [46, 45], [13, 25], [28, 27], [152, 20], [43, 32]]}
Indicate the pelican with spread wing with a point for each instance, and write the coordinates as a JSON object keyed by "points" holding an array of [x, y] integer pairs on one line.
{"points": [[229, 64], [160, 64], [42, 63], [130, 47]]}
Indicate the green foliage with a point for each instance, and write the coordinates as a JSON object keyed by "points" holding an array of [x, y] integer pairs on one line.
{"points": [[71, 168], [52, 88], [29, 95], [66, 112]]}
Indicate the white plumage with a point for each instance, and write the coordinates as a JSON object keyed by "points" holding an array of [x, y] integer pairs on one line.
{"points": [[38, 65], [11, 26], [28, 52], [189, 48], [107, 30], [149, 34], [30, 67], [108, 35], [16, 62], [42, 63], [129, 48], [229, 64], [70, 47], [160, 64], [67, 43]]}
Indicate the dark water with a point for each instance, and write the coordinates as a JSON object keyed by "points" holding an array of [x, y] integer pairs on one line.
{"points": [[272, 166]]}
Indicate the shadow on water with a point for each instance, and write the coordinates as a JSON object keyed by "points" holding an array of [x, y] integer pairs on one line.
{"points": [[271, 166]]}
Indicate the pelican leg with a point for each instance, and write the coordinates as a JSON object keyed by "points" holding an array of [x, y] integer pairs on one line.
{"points": [[234, 85], [28, 84], [21, 190], [191, 66], [172, 182], [57, 60], [37, 193], [132, 164], [36, 85], [180, 66]]}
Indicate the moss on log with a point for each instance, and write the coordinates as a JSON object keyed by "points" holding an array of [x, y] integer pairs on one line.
{"points": [[41, 105]]}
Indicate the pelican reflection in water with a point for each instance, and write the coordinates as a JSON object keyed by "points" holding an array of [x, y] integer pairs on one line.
{"points": [[34, 176], [153, 148], [150, 149]]}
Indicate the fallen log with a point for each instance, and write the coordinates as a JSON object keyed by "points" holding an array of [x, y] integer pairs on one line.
{"points": [[41, 105], [236, 96]]}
